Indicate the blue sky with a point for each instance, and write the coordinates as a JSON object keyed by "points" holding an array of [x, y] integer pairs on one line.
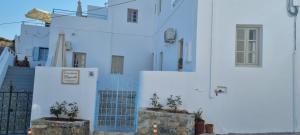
{"points": [[15, 10]]}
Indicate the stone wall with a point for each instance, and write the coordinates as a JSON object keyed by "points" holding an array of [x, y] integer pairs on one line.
{"points": [[46, 127], [167, 123]]}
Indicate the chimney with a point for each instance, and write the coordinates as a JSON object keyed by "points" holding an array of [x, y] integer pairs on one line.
{"points": [[79, 9]]}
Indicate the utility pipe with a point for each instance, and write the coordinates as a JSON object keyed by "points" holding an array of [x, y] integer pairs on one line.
{"points": [[293, 12]]}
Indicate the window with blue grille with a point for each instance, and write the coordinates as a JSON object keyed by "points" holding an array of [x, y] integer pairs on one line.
{"points": [[116, 110]]}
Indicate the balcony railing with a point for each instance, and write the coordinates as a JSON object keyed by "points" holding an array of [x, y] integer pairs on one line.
{"points": [[6, 59], [73, 13]]}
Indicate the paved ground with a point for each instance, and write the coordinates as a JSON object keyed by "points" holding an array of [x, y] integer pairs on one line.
{"points": [[261, 134], [269, 134]]}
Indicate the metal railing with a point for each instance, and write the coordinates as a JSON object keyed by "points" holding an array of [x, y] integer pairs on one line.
{"points": [[6, 59], [63, 12], [15, 111]]}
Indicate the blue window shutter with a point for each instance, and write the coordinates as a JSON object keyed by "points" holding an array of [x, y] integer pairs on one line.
{"points": [[35, 55]]}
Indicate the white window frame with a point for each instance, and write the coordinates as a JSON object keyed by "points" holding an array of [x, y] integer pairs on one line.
{"points": [[256, 50], [130, 15]]}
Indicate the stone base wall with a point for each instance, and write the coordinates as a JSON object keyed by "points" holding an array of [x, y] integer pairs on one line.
{"points": [[46, 127], [113, 133], [167, 123]]}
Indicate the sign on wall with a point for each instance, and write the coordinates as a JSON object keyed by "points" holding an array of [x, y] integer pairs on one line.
{"points": [[70, 77]]}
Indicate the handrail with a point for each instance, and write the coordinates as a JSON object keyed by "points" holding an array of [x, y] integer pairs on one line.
{"points": [[6, 59], [73, 13]]}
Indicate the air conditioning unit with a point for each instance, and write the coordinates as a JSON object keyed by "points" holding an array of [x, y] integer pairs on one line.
{"points": [[68, 45], [170, 35], [296, 2]]}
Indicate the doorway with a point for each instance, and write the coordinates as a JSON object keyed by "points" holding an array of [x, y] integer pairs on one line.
{"points": [[79, 59], [180, 55]]}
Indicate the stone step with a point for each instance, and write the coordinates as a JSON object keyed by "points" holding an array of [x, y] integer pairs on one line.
{"points": [[22, 78]]}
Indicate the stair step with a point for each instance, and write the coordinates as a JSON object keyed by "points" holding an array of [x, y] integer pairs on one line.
{"points": [[21, 78]]}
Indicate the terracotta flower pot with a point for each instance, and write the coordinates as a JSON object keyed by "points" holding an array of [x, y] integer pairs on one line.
{"points": [[199, 127], [209, 128]]}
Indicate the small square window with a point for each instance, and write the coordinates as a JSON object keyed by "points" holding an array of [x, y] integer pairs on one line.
{"points": [[132, 15], [248, 45], [117, 64]]}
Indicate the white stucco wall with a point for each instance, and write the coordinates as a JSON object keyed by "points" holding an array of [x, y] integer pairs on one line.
{"points": [[183, 18], [297, 78], [100, 39], [31, 36], [48, 91], [258, 100]]}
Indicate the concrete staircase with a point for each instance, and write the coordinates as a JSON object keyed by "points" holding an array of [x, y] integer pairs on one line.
{"points": [[21, 78]]}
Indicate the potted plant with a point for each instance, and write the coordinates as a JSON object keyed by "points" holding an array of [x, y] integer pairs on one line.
{"points": [[199, 122], [209, 128]]}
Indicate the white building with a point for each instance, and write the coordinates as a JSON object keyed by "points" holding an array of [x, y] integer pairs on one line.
{"points": [[236, 59], [33, 43], [258, 92]]}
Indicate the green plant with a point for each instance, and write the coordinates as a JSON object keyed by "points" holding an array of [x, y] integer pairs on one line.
{"points": [[198, 115], [58, 108], [72, 110], [174, 102], [155, 101]]}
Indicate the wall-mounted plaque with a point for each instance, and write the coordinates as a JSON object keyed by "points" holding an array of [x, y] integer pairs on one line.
{"points": [[70, 76]]}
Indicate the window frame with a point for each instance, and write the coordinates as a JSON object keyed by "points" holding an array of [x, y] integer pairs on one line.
{"points": [[258, 46], [159, 9], [112, 71], [46, 54], [74, 65], [130, 15]]}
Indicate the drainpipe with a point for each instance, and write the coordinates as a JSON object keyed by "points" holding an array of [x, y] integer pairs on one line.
{"points": [[211, 49], [293, 12]]}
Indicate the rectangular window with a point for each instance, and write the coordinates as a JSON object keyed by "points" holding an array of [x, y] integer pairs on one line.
{"points": [[117, 64], [159, 6], [79, 60], [132, 15], [40, 54], [248, 45], [180, 55], [43, 54], [161, 61]]}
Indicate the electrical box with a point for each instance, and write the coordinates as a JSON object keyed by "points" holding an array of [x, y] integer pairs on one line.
{"points": [[296, 2]]}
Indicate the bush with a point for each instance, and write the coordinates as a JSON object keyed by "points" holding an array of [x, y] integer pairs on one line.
{"points": [[174, 103], [58, 108], [155, 102], [72, 110]]}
